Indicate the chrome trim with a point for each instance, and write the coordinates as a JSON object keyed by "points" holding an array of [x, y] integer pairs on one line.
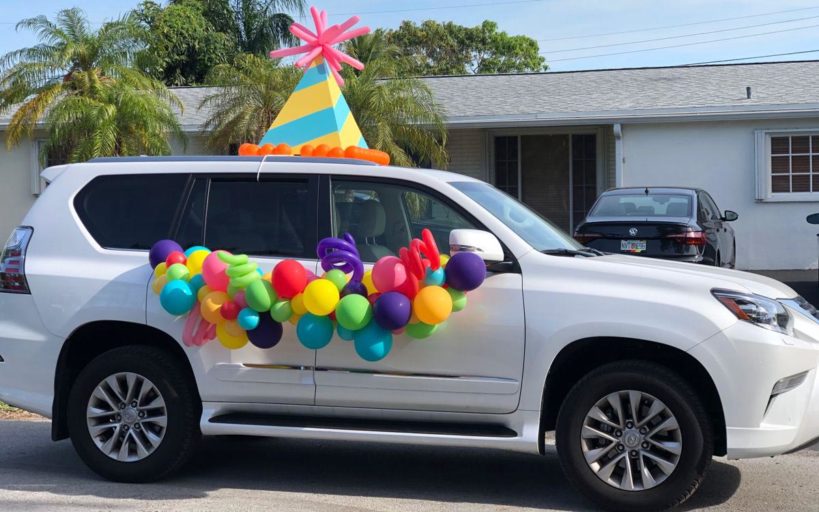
{"points": [[371, 372], [802, 306]]}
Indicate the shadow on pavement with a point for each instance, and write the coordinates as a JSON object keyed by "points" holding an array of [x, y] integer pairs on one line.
{"points": [[29, 460]]}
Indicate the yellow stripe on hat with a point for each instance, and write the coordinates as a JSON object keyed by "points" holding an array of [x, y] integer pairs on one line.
{"points": [[349, 135], [307, 101]]}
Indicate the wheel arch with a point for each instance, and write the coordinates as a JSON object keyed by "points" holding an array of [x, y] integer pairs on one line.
{"points": [[582, 356], [92, 339]]}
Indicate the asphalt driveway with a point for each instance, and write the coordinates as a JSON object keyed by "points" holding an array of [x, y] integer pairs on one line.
{"points": [[243, 474]]}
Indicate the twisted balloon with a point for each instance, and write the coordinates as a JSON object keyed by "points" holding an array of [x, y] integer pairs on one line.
{"points": [[342, 254], [320, 43]]}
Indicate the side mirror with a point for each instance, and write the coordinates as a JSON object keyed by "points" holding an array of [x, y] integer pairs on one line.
{"points": [[482, 243], [730, 216], [813, 218]]}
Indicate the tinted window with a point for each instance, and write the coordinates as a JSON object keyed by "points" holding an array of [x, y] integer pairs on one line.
{"points": [[383, 217], [268, 218], [130, 211], [642, 205], [710, 205], [192, 221]]}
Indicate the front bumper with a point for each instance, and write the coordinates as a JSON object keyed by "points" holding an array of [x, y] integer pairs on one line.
{"points": [[746, 361]]}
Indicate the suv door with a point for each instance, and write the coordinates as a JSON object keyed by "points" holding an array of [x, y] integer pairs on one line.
{"points": [[474, 363], [270, 220]]}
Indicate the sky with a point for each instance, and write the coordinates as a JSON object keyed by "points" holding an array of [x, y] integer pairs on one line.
{"points": [[572, 34]]}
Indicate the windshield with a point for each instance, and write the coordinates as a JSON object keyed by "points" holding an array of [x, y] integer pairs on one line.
{"points": [[531, 227], [642, 205]]}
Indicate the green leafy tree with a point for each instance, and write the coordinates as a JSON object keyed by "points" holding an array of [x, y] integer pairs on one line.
{"points": [[434, 48], [80, 83], [183, 46]]}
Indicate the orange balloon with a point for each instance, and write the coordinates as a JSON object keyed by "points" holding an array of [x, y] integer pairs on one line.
{"points": [[306, 150], [211, 306], [321, 150], [432, 305], [267, 149], [202, 293], [248, 149], [283, 149], [336, 152]]}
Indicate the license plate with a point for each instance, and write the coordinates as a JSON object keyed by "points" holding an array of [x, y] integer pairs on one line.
{"points": [[633, 245]]}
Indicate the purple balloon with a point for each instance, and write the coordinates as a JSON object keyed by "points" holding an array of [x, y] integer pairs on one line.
{"points": [[160, 251], [465, 271], [267, 334], [342, 254], [354, 287], [392, 310]]}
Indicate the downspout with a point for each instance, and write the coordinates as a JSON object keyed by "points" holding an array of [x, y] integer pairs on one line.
{"points": [[619, 157]]}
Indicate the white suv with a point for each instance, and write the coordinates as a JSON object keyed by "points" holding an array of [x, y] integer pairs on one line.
{"points": [[644, 369]]}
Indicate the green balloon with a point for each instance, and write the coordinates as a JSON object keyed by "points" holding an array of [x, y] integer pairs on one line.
{"points": [[337, 277], [260, 295], [421, 330], [458, 299], [178, 271], [354, 312], [281, 311]]}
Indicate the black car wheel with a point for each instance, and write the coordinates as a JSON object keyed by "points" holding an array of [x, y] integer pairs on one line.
{"points": [[633, 436], [133, 416]]}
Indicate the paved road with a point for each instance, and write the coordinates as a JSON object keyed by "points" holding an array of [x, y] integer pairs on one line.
{"points": [[241, 474]]}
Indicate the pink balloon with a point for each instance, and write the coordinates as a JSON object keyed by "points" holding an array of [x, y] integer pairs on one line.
{"points": [[213, 271], [240, 299], [197, 331], [389, 273]]}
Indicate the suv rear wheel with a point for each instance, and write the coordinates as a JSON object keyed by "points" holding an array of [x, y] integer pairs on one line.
{"points": [[132, 415], [634, 436]]}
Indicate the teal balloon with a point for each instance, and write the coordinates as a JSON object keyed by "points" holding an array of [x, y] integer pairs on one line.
{"points": [[435, 277], [248, 319], [315, 332], [177, 298], [344, 333], [191, 250], [196, 282], [372, 343]]}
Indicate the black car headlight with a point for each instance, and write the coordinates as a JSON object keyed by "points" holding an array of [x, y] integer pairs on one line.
{"points": [[756, 309]]}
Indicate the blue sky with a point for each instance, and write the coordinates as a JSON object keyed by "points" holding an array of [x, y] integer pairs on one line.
{"points": [[560, 26]]}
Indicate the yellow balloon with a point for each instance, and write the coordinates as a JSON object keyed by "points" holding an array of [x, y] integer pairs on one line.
{"points": [[444, 259], [228, 340], [159, 283], [294, 319], [367, 281], [202, 293], [321, 297], [211, 306], [297, 304], [195, 261], [432, 305], [268, 277], [232, 327], [161, 269]]}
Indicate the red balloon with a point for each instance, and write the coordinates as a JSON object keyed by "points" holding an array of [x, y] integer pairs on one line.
{"points": [[289, 278], [410, 287], [374, 297], [230, 310], [175, 257]]}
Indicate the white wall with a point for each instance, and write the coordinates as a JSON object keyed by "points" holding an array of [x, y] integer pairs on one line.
{"points": [[468, 153], [720, 158]]}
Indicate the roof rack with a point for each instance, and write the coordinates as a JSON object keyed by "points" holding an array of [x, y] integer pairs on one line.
{"points": [[224, 158]]}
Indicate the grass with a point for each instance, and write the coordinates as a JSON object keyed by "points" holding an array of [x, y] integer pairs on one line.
{"points": [[7, 408]]}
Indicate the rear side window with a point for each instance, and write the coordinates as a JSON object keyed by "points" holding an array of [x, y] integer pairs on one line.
{"points": [[642, 205], [276, 217], [130, 211]]}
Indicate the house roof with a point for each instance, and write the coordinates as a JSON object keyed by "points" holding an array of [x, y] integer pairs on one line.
{"points": [[711, 92]]}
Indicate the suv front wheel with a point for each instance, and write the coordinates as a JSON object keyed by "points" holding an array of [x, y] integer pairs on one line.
{"points": [[132, 415], [634, 436]]}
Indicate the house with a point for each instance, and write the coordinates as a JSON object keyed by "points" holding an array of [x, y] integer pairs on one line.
{"points": [[747, 133]]}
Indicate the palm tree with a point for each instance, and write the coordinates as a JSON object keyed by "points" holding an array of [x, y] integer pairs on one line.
{"points": [[257, 26], [79, 83], [248, 96]]}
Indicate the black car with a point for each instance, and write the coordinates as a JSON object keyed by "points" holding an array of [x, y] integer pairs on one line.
{"points": [[682, 224]]}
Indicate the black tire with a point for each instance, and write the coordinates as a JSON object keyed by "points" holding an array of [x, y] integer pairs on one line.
{"points": [[183, 410], [682, 401]]}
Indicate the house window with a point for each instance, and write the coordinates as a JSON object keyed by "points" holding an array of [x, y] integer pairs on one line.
{"points": [[788, 166], [507, 168], [584, 175]]}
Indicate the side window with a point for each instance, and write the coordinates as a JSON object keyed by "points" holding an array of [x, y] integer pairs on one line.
{"points": [[384, 217], [703, 211], [192, 219], [712, 206], [130, 211], [268, 218]]}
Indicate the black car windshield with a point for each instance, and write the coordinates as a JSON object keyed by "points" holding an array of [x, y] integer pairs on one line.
{"points": [[531, 227], [642, 205]]}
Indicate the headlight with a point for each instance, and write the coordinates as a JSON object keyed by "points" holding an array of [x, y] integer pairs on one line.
{"points": [[762, 311]]}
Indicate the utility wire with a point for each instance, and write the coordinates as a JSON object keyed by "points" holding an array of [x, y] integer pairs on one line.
{"points": [[651, 29], [683, 44], [750, 58], [682, 35]]}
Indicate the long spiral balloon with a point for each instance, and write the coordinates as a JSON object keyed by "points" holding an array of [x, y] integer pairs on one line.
{"points": [[341, 254]]}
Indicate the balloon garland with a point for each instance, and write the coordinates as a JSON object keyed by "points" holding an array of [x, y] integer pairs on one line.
{"points": [[227, 297]]}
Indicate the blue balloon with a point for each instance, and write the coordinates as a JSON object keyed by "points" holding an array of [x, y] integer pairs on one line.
{"points": [[344, 333], [191, 250], [259, 271], [435, 277], [372, 343], [248, 319], [196, 282], [177, 298], [314, 332], [267, 334]]}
